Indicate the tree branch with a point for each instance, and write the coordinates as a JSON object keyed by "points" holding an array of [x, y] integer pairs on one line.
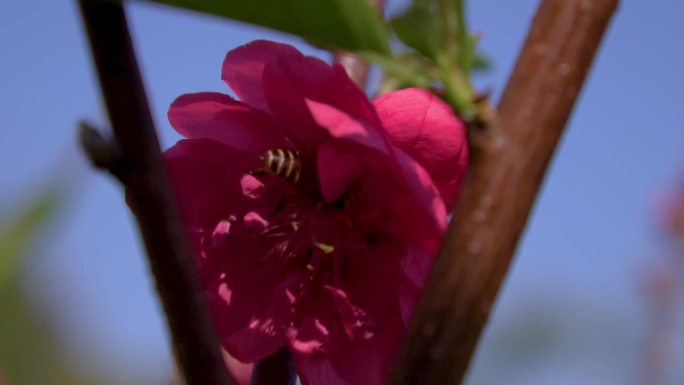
{"points": [[137, 162], [507, 167]]}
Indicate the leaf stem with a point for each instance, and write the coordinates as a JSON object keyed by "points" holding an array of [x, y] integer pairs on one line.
{"points": [[453, 60], [463, 38], [456, 92]]}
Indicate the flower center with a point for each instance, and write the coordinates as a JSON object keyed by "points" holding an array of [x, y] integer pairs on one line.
{"points": [[306, 234], [317, 242]]}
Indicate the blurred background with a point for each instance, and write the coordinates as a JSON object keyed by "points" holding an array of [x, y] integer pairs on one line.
{"points": [[594, 294]]}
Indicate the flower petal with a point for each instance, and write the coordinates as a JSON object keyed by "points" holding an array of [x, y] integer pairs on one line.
{"points": [[386, 169], [316, 370], [422, 125], [294, 78], [354, 363], [316, 329], [377, 262], [369, 362], [402, 198], [198, 169], [353, 318], [423, 188], [243, 68], [250, 314], [259, 340], [336, 170], [342, 125], [242, 373], [309, 336], [219, 117], [343, 160], [415, 265]]}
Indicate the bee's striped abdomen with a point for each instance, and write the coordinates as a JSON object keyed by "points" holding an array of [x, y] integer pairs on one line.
{"points": [[283, 163]]}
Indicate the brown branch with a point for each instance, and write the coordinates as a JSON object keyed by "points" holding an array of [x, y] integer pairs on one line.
{"points": [[508, 164], [137, 162]]}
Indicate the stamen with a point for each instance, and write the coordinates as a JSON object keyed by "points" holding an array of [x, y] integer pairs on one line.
{"points": [[325, 248]]}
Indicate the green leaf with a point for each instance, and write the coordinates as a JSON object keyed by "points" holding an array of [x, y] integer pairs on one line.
{"points": [[352, 25], [403, 70], [30, 352], [420, 28], [16, 234]]}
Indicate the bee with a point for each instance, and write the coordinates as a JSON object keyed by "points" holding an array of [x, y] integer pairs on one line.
{"points": [[283, 163]]}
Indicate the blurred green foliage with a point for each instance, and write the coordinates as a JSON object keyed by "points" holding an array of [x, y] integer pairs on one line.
{"points": [[437, 30], [16, 234], [29, 354], [421, 29], [352, 25], [439, 52]]}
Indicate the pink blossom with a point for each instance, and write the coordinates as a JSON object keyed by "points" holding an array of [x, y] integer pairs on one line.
{"points": [[670, 210], [241, 372], [330, 266]]}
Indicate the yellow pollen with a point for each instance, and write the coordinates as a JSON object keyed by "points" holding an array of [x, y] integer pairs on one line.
{"points": [[327, 249]]}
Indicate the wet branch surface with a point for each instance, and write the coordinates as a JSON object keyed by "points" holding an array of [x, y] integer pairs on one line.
{"points": [[508, 162], [134, 158]]}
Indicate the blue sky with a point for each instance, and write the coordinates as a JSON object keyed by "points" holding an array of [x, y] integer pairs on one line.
{"points": [[590, 235]]}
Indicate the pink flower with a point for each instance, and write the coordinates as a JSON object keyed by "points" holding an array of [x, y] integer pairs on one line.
{"points": [[670, 210], [330, 266], [241, 372]]}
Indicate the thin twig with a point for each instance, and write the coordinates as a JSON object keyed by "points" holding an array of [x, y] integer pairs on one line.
{"points": [[357, 68], [137, 162], [507, 167]]}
